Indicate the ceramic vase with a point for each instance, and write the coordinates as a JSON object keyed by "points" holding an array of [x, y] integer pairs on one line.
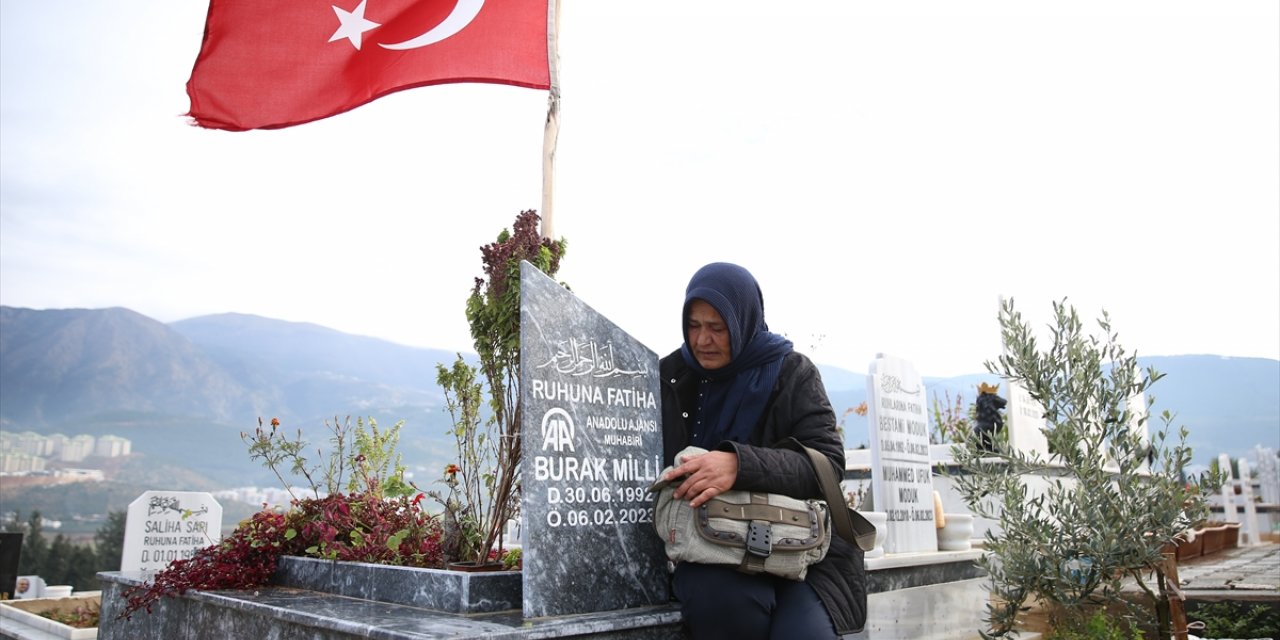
{"points": [[881, 520], [957, 535]]}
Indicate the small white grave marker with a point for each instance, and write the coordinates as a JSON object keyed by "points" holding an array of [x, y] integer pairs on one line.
{"points": [[1138, 417], [1025, 419], [1250, 525], [29, 587], [1228, 489], [163, 526], [1268, 474]]}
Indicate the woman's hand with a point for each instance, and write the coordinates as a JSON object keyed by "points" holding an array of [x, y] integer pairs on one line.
{"points": [[706, 476]]}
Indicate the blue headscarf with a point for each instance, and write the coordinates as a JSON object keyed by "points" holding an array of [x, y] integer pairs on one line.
{"points": [[735, 395]]}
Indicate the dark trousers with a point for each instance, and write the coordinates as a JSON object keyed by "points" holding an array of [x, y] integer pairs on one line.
{"points": [[719, 602]]}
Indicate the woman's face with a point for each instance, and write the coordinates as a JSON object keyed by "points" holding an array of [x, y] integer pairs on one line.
{"points": [[708, 336]]}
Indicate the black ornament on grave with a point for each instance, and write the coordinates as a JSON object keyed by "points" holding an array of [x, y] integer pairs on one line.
{"points": [[987, 417]]}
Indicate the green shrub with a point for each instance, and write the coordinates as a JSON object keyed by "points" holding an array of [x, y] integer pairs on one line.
{"points": [[1236, 620], [1096, 627]]}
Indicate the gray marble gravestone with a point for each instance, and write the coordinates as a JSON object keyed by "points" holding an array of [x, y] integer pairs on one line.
{"points": [[10, 552], [591, 446]]}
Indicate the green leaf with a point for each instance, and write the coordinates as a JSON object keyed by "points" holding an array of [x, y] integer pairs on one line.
{"points": [[394, 541]]}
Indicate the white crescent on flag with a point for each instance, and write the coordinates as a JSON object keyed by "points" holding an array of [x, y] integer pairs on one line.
{"points": [[461, 16]]}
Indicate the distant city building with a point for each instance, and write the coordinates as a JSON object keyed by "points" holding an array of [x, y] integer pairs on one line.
{"points": [[27, 442], [80, 475], [112, 447], [56, 443], [14, 462], [78, 448], [56, 447], [272, 497]]}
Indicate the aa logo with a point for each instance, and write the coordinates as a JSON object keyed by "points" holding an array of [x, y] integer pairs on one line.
{"points": [[557, 430]]}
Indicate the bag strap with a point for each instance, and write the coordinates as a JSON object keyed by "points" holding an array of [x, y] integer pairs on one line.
{"points": [[757, 510], [849, 524]]}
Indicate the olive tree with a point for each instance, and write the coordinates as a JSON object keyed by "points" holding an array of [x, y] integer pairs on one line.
{"points": [[1112, 497]]}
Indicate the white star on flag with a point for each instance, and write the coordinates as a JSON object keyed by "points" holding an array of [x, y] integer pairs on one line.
{"points": [[353, 25]]}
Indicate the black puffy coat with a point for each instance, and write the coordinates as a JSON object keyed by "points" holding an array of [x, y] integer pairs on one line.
{"points": [[799, 408]]}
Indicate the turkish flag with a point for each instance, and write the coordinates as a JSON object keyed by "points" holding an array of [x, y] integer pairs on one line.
{"points": [[267, 64]]}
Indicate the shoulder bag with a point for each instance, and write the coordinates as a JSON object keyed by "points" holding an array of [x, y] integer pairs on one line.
{"points": [[759, 532]]}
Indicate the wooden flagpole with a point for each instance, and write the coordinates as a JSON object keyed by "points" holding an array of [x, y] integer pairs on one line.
{"points": [[552, 130]]}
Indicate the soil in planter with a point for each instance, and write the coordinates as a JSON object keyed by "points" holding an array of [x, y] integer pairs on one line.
{"points": [[63, 610], [473, 567], [79, 612], [81, 617]]}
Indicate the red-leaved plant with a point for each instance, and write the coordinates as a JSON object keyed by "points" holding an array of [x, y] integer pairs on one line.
{"points": [[377, 520], [244, 559]]}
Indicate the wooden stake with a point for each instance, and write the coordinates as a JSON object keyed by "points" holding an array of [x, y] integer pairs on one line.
{"points": [[1177, 610], [551, 132]]}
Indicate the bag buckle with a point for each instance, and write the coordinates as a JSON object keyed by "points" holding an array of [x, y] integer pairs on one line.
{"points": [[759, 538]]}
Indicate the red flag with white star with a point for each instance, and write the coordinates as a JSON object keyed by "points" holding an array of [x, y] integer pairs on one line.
{"points": [[267, 64]]}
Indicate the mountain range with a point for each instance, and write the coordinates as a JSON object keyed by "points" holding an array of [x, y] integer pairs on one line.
{"points": [[184, 392]]}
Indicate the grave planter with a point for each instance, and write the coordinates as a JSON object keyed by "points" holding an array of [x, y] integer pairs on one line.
{"points": [[1190, 545], [1214, 537], [444, 590], [1231, 535], [472, 567], [27, 613]]}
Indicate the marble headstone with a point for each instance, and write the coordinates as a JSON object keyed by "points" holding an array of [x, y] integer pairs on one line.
{"points": [[901, 472], [163, 526], [1249, 527], [1138, 417], [1268, 474], [1228, 489], [591, 446], [10, 553], [1025, 421], [29, 587]]}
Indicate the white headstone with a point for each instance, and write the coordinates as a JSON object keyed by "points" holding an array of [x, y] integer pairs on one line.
{"points": [[1138, 416], [1024, 418], [1093, 431], [1249, 528], [901, 472], [163, 526], [1228, 489], [29, 587], [1268, 474]]}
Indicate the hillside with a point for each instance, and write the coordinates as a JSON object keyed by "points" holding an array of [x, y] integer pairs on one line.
{"points": [[184, 392], [69, 365]]}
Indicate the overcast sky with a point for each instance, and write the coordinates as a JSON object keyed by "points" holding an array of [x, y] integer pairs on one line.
{"points": [[888, 170]]}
